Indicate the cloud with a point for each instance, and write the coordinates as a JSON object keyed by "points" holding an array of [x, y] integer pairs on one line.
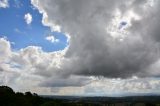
{"points": [[72, 81], [28, 18], [123, 87], [52, 39], [4, 4], [98, 47], [19, 68], [31, 64], [19, 31], [5, 50], [110, 41], [17, 4]]}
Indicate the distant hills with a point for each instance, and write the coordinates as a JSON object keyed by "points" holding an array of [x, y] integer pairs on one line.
{"points": [[10, 98]]}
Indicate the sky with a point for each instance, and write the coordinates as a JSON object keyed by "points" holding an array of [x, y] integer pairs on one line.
{"points": [[80, 47], [25, 27]]}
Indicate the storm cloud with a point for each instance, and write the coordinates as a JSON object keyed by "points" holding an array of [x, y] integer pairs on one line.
{"points": [[99, 45]]}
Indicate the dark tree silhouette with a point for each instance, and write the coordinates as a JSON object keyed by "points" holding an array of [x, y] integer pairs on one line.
{"points": [[9, 98]]}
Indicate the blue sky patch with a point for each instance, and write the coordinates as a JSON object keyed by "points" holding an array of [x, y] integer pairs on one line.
{"points": [[122, 24], [14, 27]]}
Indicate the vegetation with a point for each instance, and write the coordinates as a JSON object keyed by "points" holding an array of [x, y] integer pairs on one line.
{"points": [[10, 98]]}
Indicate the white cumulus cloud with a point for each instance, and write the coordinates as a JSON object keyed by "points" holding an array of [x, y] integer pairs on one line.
{"points": [[52, 39], [28, 18], [4, 4]]}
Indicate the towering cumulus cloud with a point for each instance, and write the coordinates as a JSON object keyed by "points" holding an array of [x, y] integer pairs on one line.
{"points": [[108, 38]]}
